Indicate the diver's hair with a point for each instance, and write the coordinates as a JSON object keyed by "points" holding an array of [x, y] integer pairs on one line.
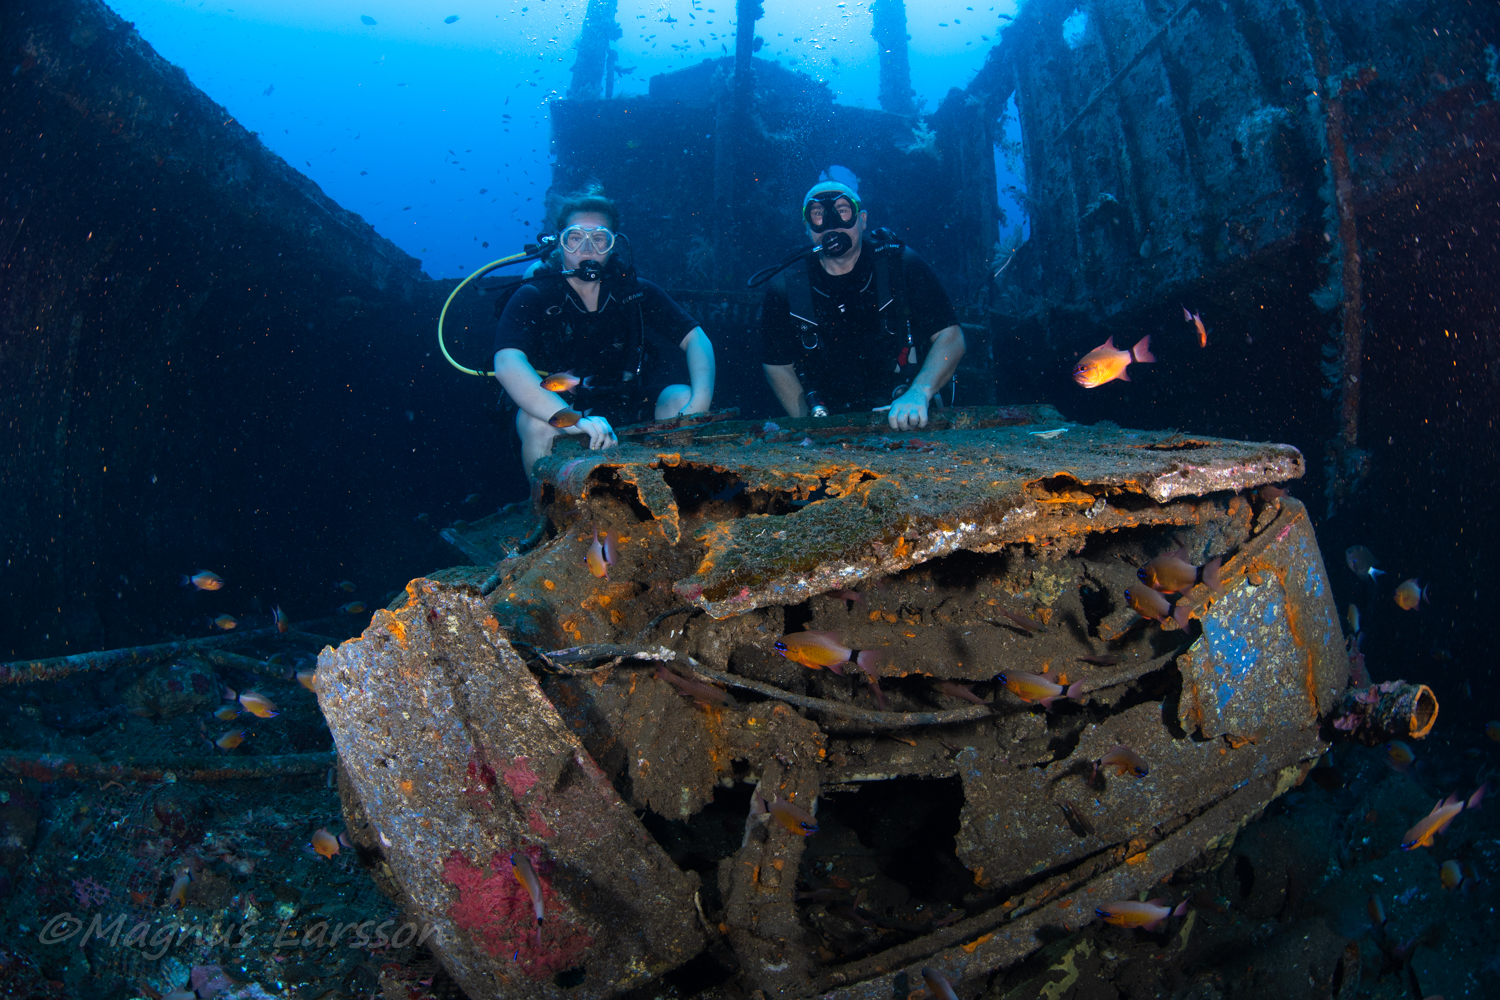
{"points": [[589, 198]]}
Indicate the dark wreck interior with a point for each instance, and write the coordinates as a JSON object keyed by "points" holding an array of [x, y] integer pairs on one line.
{"points": [[703, 815]]}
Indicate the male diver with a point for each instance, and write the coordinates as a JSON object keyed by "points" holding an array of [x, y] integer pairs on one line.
{"points": [[860, 328], [600, 333]]}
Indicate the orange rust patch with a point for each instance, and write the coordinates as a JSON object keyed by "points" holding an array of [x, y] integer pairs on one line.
{"points": [[427, 823], [778, 864], [1136, 859], [406, 786], [874, 615], [491, 624], [981, 939], [615, 617], [901, 549]]}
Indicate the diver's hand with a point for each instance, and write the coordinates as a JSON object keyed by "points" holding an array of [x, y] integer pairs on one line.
{"points": [[909, 411], [601, 435]]}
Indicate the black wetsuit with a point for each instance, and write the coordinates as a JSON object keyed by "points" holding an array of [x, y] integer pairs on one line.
{"points": [[627, 349], [854, 358]]}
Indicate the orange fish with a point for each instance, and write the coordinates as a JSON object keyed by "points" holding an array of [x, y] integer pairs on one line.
{"points": [[225, 622], [231, 740], [204, 580], [325, 843], [822, 649], [1107, 362], [792, 816], [1170, 573], [1149, 603], [1125, 761], [1039, 688], [520, 866], [1196, 320], [1399, 756], [258, 705], [560, 381], [565, 417], [700, 692], [283, 623], [938, 985], [1410, 594], [600, 553], [227, 714], [353, 608], [1149, 915], [306, 678], [1433, 824], [1451, 874], [178, 896]]}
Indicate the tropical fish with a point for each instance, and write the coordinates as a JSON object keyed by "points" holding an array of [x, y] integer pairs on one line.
{"points": [[1149, 915], [1170, 573], [1149, 603], [520, 866], [345, 585], [1400, 756], [1024, 622], [1196, 320], [1352, 616], [792, 816], [821, 649], [225, 622], [1075, 817], [1451, 874], [1039, 688], [938, 985], [565, 417], [1125, 761], [306, 678], [231, 740], [706, 694], [1107, 362], [1362, 561], [325, 843], [599, 555], [258, 705], [283, 623], [963, 691], [353, 608], [1410, 594], [227, 714], [1433, 824], [204, 580], [560, 381], [178, 896]]}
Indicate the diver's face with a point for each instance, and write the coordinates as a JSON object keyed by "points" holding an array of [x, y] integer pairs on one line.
{"points": [[853, 225], [587, 251]]}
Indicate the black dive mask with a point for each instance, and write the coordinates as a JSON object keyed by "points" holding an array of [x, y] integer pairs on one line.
{"points": [[831, 218]]}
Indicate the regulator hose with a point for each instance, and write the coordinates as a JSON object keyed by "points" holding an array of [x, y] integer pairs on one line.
{"points": [[486, 269]]}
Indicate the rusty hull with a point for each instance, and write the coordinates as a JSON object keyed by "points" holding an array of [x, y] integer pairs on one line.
{"points": [[458, 760]]}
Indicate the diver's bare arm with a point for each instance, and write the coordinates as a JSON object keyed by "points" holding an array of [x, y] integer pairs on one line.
{"points": [[942, 361], [700, 361], [787, 387], [524, 385]]}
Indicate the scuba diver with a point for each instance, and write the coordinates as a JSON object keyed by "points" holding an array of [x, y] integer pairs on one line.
{"points": [[599, 333], [847, 327]]}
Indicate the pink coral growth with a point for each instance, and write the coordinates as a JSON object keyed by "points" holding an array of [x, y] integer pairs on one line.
{"points": [[89, 892], [496, 909]]}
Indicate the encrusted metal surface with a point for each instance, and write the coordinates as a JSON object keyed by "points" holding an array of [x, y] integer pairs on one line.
{"points": [[458, 760], [875, 503]]}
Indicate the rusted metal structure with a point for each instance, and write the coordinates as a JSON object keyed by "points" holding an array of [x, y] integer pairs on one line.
{"points": [[999, 540]]}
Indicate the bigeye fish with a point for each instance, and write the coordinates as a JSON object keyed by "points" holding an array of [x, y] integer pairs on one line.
{"points": [[1148, 916], [520, 866], [792, 816], [1410, 594], [938, 985], [1039, 688], [1107, 362], [1197, 321], [565, 417], [203, 580], [324, 843], [705, 694], [1362, 561], [817, 650]]}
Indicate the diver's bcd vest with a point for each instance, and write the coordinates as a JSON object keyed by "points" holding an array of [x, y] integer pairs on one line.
{"points": [[888, 254], [626, 291]]}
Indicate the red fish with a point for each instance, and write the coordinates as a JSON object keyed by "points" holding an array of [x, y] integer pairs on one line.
{"points": [[565, 417], [1411, 594], [792, 816], [520, 865], [1196, 320], [1039, 688], [822, 649], [1107, 362], [1149, 915]]}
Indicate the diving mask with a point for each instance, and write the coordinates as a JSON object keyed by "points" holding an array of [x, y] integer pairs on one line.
{"points": [[582, 239], [822, 211]]}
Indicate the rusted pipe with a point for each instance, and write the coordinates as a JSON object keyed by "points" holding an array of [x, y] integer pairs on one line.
{"points": [[1393, 710], [55, 767], [26, 671]]}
